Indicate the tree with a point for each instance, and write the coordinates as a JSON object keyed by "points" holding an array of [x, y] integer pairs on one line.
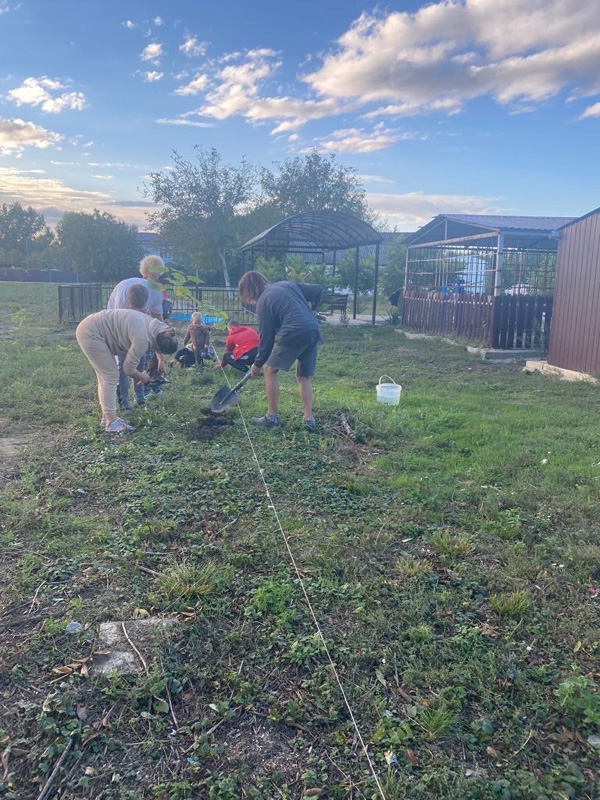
{"points": [[344, 276], [313, 183], [23, 231], [393, 274], [201, 204], [98, 243]]}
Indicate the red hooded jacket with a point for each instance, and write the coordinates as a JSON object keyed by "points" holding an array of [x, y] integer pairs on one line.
{"points": [[241, 340]]}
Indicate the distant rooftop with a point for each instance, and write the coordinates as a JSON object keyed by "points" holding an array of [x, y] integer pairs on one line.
{"points": [[484, 228], [506, 222]]}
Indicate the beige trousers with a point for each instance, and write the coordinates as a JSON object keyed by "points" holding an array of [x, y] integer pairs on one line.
{"points": [[104, 364]]}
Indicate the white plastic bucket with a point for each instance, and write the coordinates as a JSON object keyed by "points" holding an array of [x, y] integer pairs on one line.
{"points": [[388, 394]]}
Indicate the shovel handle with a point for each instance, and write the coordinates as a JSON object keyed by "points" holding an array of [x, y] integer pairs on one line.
{"points": [[239, 385]]}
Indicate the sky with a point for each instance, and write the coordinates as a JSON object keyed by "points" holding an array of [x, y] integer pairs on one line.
{"points": [[459, 106]]}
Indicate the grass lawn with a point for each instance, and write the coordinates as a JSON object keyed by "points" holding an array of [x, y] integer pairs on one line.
{"points": [[449, 554]]}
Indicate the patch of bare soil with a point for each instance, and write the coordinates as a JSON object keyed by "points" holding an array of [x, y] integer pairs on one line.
{"points": [[11, 448], [259, 750], [210, 425]]}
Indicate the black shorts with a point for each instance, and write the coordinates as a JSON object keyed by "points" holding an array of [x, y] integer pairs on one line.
{"points": [[303, 351]]}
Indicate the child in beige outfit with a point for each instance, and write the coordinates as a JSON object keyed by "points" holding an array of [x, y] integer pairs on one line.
{"points": [[104, 335]]}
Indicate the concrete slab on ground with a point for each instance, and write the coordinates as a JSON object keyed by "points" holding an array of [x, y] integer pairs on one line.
{"points": [[118, 654], [486, 353], [559, 372], [361, 319]]}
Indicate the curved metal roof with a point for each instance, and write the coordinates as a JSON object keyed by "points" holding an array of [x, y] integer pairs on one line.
{"points": [[322, 230]]}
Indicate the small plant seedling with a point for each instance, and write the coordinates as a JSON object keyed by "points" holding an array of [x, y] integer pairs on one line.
{"points": [[420, 633], [411, 567], [436, 722], [189, 581], [456, 545], [513, 604]]}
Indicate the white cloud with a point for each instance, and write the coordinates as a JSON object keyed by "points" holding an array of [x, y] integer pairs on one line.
{"points": [[87, 144], [356, 140], [591, 111], [411, 210], [195, 86], [237, 91], [157, 21], [129, 24], [65, 163], [153, 76], [52, 197], [373, 178], [37, 92], [185, 122], [191, 47], [103, 177], [449, 52], [116, 165], [152, 52], [16, 135], [238, 85]]}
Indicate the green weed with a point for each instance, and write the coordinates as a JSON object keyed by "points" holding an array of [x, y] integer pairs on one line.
{"points": [[189, 581], [513, 604]]}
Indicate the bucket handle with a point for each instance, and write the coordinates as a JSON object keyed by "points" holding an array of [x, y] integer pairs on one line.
{"points": [[387, 376]]}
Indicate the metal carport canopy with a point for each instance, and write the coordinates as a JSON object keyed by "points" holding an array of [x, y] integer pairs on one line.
{"points": [[319, 231], [325, 230]]}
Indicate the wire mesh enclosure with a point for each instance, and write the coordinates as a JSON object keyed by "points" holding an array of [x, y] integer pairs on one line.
{"points": [[487, 278], [460, 269]]}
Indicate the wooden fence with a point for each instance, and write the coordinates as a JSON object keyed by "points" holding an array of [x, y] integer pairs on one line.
{"points": [[468, 315], [505, 322], [522, 322]]}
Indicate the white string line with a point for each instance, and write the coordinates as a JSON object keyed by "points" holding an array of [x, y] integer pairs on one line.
{"points": [[308, 602]]}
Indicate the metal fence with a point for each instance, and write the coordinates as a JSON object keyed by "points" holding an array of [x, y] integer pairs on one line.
{"points": [[77, 300], [211, 299], [460, 269]]}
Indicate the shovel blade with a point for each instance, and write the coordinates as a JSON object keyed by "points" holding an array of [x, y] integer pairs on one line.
{"points": [[224, 399]]}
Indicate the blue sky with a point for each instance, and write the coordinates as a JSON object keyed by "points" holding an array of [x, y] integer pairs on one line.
{"points": [[468, 106]]}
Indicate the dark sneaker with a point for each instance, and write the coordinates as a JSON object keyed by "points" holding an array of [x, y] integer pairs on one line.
{"points": [[310, 424], [268, 421]]}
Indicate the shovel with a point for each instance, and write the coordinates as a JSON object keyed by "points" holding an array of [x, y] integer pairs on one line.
{"points": [[226, 397]]}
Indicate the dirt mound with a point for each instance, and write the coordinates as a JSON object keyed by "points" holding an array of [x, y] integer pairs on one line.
{"points": [[208, 426]]}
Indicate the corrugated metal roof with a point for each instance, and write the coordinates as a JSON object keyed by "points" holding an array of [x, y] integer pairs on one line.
{"points": [[504, 222], [584, 216]]}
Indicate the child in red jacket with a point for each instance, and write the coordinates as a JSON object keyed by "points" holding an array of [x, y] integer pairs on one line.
{"points": [[241, 347]]}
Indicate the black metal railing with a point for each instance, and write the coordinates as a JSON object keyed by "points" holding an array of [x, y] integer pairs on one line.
{"points": [[77, 300]]}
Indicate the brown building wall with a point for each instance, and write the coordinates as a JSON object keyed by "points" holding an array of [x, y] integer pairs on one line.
{"points": [[575, 329]]}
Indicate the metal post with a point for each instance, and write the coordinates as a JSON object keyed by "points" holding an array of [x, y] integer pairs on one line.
{"points": [[334, 255], [406, 270], [252, 259], [355, 285], [243, 261], [375, 282], [499, 265]]}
